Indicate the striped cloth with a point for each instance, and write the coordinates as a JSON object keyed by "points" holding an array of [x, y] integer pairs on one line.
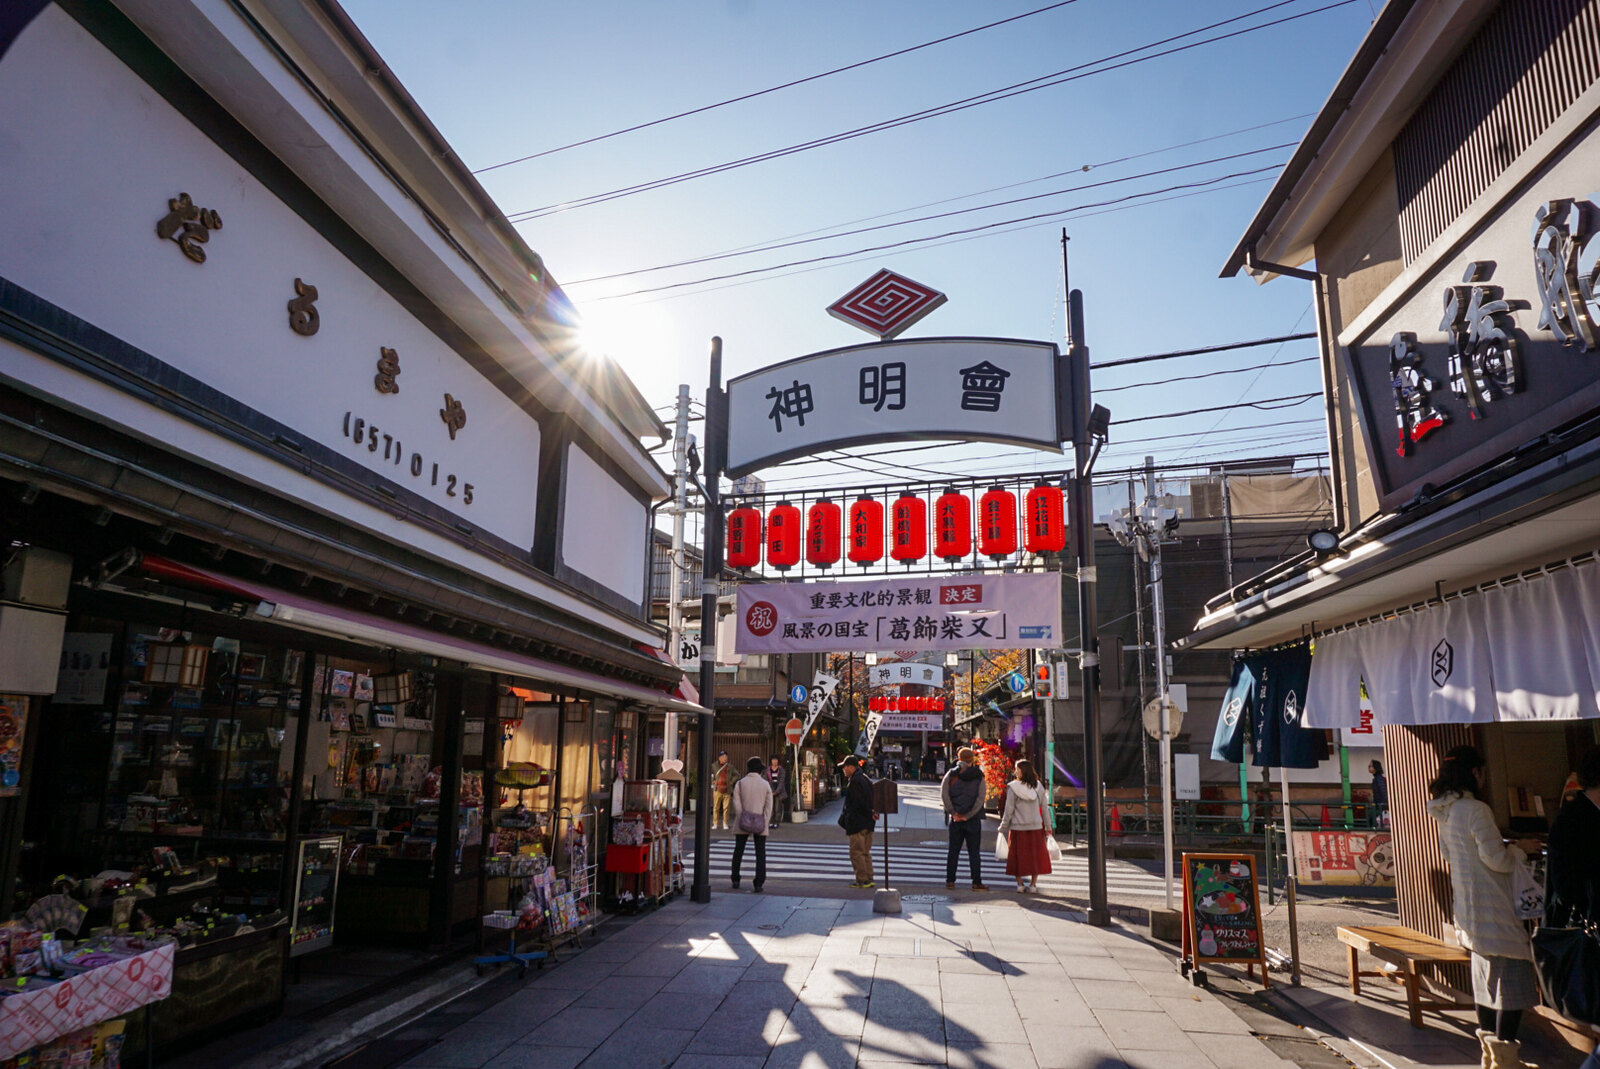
{"points": [[1504, 983]]}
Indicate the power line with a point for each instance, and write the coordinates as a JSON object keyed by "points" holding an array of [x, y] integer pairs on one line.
{"points": [[1070, 74], [1199, 184], [773, 247], [1206, 349], [1209, 374], [1270, 404], [773, 89]]}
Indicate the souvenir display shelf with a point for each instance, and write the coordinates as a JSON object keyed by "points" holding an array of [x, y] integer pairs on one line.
{"points": [[645, 856]]}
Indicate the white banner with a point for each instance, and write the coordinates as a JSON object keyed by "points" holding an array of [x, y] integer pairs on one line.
{"points": [[869, 733], [887, 675], [912, 722], [985, 612], [822, 687], [972, 389]]}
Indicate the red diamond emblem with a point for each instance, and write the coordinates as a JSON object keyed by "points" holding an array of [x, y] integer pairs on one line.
{"points": [[886, 304]]}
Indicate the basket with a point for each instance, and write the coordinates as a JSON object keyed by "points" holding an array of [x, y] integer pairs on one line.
{"points": [[522, 775], [499, 920]]}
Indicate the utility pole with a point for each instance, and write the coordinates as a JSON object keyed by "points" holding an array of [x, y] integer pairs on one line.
{"points": [[675, 560], [1080, 493], [1152, 531], [710, 587]]}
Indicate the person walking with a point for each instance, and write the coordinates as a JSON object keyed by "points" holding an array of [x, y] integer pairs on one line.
{"points": [[1480, 862], [1380, 795], [1573, 862], [722, 779], [963, 793], [1023, 824], [752, 815], [778, 780], [857, 818]]}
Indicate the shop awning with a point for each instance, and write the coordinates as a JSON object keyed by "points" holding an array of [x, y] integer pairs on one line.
{"points": [[1521, 649], [294, 610]]}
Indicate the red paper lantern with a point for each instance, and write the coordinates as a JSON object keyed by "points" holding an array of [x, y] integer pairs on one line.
{"points": [[909, 538], [952, 526], [823, 534], [866, 531], [783, 536], [744, 537], [1047, 526], [997, 533]]}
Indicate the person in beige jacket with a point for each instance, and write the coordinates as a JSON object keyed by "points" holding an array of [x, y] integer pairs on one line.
{"points": [[752, 815], [1025, 825]]}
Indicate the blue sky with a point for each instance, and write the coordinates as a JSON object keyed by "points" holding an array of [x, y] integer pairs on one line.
{"points": [[503, 80]]}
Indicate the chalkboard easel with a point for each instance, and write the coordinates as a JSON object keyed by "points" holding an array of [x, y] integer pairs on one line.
{"points": [[1222, 914]]}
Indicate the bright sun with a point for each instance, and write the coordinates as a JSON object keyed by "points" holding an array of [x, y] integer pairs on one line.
{"points": [[635, 337]]}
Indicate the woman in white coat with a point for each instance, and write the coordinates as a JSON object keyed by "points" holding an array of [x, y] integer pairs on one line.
{"points": [[1503, 981], [1023, 823]]}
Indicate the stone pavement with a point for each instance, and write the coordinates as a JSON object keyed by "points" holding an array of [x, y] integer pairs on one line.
{"points": [[786, 982]]}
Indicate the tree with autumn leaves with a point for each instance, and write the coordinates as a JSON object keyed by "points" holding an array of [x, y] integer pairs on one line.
{"points": [[996, 768]]}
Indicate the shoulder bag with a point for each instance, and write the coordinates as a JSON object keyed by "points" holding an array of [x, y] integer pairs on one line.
{"points": [[1567, 961]]}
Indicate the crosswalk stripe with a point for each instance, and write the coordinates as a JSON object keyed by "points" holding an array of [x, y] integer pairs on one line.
{"points": [[812, 861]]}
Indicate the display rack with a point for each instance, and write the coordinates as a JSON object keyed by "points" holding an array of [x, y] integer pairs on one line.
{"points": [[645, 856], [316, 888]]}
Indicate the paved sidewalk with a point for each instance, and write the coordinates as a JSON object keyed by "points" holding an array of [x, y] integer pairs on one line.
{"points": [[785, 982]]}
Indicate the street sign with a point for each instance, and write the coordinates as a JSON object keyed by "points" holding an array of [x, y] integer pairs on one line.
{"points": [[1016, 682], [797, 693], [794, 730]]}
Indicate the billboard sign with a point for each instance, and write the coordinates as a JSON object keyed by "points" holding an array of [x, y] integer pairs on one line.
{"points": [[984, 612]]}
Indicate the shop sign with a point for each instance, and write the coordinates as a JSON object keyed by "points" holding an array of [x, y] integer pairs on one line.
{"points": [[912, 722], [172, 271], [972, 389], [926, 675], [1493, 348], [1345, 858], [988, 612]]}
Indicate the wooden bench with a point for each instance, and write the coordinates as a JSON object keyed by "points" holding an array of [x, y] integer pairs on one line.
{"points": [[1407, 949]]}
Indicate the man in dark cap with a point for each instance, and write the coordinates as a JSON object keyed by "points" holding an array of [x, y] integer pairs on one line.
{"points": [[857, 818]]}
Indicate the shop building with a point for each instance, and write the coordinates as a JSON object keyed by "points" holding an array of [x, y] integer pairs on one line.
{"points": [[316, 517], [1445, 194]]}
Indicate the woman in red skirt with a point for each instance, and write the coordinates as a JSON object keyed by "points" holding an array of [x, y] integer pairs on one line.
{"points": [[1026, 829]]}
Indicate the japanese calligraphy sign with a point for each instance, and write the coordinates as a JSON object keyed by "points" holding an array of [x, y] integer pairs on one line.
{"points": [[1493, 345], [973, 389], [927, 675], [987, 612]]}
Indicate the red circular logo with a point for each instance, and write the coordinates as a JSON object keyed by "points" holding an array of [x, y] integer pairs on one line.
{"points": [[761, 618]]}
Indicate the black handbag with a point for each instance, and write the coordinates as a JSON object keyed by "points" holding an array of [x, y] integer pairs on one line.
{"points": [[1567, 961]]}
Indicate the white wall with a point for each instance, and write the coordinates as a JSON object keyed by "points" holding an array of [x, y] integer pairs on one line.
{"points": [[602, 528]]}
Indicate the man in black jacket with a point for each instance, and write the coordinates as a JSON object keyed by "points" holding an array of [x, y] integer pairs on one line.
{"points": [[857, 818], [964, 793]]}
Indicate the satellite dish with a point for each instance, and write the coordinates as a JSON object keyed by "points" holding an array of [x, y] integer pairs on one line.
{"points": [[1152, 718]]}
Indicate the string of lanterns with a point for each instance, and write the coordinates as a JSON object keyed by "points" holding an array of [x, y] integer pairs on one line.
{"points": [[827, 532], [905, 704]]}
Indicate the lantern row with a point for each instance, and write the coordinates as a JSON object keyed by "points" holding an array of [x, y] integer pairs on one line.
{"points": [[828, 532], [891, 704]]}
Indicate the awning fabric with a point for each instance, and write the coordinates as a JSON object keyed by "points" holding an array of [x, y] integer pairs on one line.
{"points": [[306, 614], [1267, 691], [1529, 651]]}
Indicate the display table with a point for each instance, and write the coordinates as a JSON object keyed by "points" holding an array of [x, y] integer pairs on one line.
{"points": [[36, 1017]]}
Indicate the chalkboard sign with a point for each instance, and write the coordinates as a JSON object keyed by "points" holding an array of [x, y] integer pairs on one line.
{"points": [[1221, 911]]}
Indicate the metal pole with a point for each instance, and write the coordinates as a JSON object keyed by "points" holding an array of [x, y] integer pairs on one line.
{"points": [[675, 560], [710, 575], [1289, 879], [1138, 647], [1082, 504], [1151, 530]]}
